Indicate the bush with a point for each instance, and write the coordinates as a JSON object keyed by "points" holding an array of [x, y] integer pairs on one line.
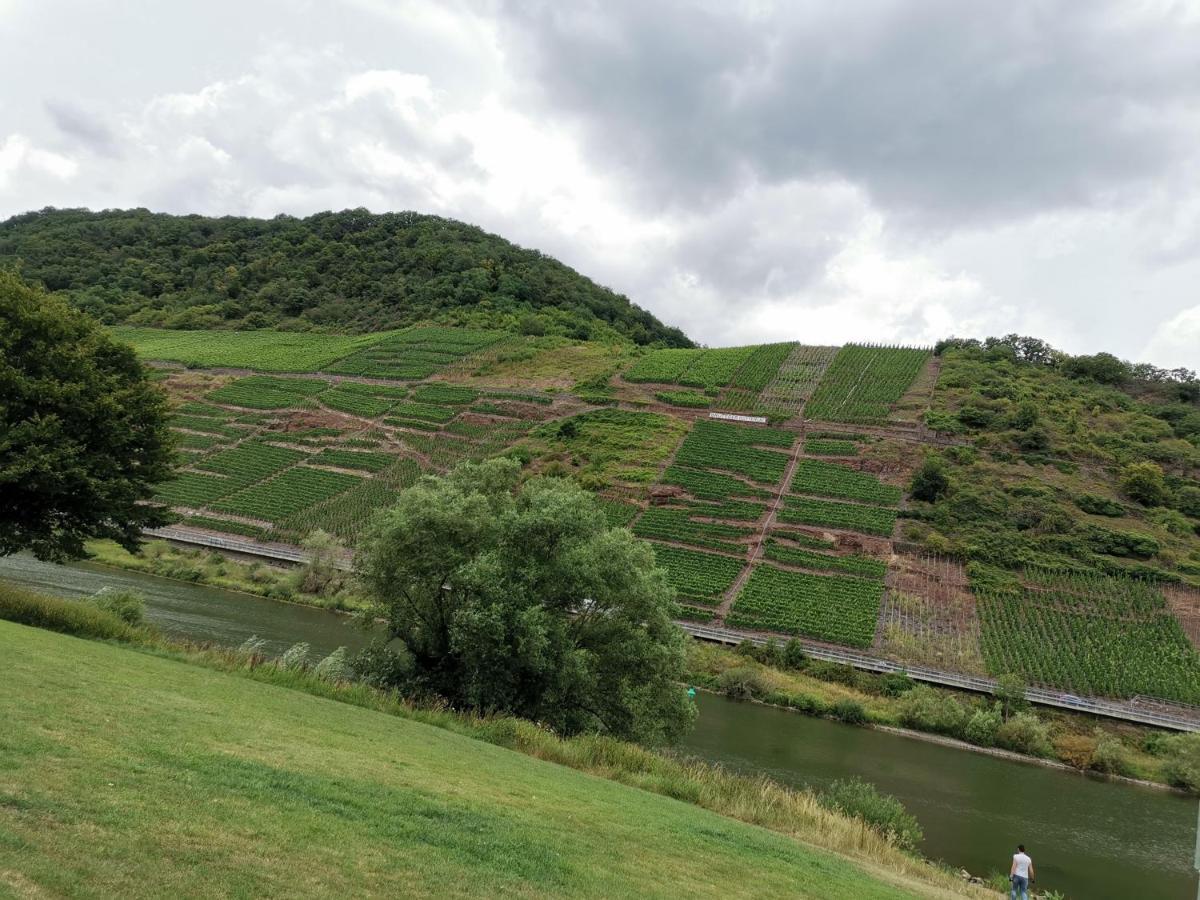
{"points": [[1181, 761], [1110, 756], [794, 656], [128, 606], [893, 684], [981, 728], [334, 667], [849, 711], [884, 813], [924, 709], [295, 657], [1144, 482], [930, 482], [1077, 750], [379, 666], [1099, 506], [65, 616], [1025, 733], [742, 683]]}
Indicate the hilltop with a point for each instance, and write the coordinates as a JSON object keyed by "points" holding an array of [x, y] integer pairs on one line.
{"points": [[181, 780], [351, 271]]}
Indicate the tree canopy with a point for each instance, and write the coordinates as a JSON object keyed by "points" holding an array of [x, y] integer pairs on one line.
{"points": [[83, 431], [521, 599], [349, 271]]}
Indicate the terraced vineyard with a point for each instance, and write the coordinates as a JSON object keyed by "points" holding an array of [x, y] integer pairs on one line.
{"points": [[737, 449], [698, 577], [825, 479], [287, 494], [862, 383], [676, 525], [414, 354], [264, 351], [267, 392], [798, 375], [1087, 634], [826, 607], [843, 516]]}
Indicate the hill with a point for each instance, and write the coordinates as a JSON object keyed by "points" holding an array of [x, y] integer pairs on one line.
{"points": [[178, 780], [351, 271], [792, 516]]}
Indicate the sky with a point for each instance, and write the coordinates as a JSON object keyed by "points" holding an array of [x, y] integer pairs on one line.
{"points": [[749, 171]]}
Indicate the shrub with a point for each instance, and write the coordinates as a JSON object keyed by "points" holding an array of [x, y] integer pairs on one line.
{"points": [[128, 606], [1025, 733], [1099, 506], [893, 684], [1075, 750], [884, 813], [378, 665], [794, 656], [924, 709], [1144, 482], [930, 482], [1110, 756], [849, 711], [66, 616], [981, 728], [295, 657], [1010, 691], [741, 683], [334, 667], [1181, 761], [253, 646]]}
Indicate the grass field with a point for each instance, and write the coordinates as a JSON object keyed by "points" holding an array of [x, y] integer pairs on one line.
{"points": [[264, 351], [179, 781]]}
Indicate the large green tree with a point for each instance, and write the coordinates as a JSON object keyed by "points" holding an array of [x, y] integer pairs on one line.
{"points": [[83, 431], [521, 599]]}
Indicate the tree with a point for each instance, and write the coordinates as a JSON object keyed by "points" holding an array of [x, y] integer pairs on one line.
{"points": [[930, 482], [522, 600], [1010, 691], [83, 431], [1144, 482]]}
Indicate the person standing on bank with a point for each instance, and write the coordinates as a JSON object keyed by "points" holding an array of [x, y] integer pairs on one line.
{"points": [[1021, 873]]}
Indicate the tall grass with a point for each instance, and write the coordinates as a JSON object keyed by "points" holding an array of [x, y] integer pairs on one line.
{"points": [[66, 616]]}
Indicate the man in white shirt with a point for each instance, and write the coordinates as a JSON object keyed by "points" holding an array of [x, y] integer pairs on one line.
{"points": [[1021, 873]]}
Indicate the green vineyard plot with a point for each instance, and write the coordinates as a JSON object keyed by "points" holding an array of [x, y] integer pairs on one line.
{"points": [[862, 383], [415, 354], [698, 577], [843, 516], [719, 445], [267, 392], [263, 351], [287, 494], [814, 476], [1088, 634], [864, 566], [676, 525], [365, 461], [826, 607], [710, 485], [830, 447]]}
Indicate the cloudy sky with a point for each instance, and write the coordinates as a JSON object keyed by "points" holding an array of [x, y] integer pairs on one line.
{"points": [[818, 171]]}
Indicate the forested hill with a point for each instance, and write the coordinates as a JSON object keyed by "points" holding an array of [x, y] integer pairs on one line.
{"points": [[347, 271]]}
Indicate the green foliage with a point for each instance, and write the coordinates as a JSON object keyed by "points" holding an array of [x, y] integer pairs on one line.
{"points": [[709, 485], [350, 270], [523, 600], [926, 709], [286, 494], [1010, 693], [263, 351], [981, 727], [1025, 733], [849, 711], [128, 606], [931, 481], [862, 383], [737, 448], [83, 431], [1144, 482], [741, 683], [700, 577], [827, 447], [267, 392], [1181, 761], [1099, 506], [668, 524], [823, 562], [847, 516], [825, 479], [827, 607], [885, 813], [689, 399], [66, 616]]}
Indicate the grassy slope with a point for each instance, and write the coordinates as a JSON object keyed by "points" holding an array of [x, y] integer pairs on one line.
{"points": [[126, 774]]}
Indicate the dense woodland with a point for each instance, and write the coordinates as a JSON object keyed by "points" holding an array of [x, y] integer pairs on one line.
{"points": [[345, 271]]}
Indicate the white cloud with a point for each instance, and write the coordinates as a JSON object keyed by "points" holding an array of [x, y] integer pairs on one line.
{"points": [[18, 153], [1176, 342]]}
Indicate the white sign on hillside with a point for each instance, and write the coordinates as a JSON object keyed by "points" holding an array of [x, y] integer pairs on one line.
{"points": [[732, 417]]}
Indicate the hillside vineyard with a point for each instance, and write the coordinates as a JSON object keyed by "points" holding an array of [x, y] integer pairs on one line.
{"points": [[1033, 559]]}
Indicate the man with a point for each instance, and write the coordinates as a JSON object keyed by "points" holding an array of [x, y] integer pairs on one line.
{"points": [[1021, 873]]}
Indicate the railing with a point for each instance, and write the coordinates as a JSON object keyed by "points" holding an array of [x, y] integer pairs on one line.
{"points": [[1114, 709]]}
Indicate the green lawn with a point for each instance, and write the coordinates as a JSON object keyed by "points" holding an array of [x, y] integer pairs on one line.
{"points": [[126, 774]]}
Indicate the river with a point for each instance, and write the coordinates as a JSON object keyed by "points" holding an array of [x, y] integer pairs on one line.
{"points": [[1089, 838]]}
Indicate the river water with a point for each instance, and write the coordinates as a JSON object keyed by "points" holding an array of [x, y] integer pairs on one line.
{"points": [[1088, 838]]}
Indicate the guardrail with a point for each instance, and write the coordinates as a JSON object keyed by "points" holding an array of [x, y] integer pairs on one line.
{"points": [[1113, 709]]}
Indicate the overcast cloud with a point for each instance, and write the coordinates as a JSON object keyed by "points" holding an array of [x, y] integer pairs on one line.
{"points": [[750, 171]]}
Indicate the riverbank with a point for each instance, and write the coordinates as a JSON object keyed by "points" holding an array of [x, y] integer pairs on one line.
{"points": [[1071, 739], [1077, 742], [227, 710]]}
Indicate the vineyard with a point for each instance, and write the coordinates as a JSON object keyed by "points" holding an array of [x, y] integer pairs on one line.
{"points": [[814, 476], [414, 354], [745, 370], [267, 392], [263, 351], [676, 525], [286, 494], [854, 564], [862, 383], [737, 449], [698, 577], [797, 377], [842, 516], [1088, 634], [826, 607]]}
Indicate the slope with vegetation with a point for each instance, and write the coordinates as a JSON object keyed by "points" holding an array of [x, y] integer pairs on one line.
{"points": [[350, 270]]}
